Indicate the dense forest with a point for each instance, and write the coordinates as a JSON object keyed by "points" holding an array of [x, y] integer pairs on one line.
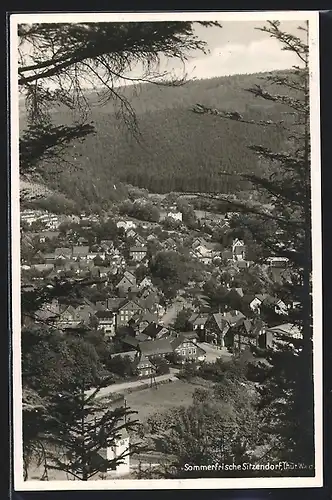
{"points": [[177, 150]]}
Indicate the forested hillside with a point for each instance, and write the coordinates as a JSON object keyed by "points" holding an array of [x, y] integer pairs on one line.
{"points": [[178, 150]]}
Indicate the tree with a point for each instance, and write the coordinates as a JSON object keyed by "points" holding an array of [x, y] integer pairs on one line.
{"points": [[53, 72], [284, 228], [170, 270], [219, 427], [181, 323], [78, 430]]}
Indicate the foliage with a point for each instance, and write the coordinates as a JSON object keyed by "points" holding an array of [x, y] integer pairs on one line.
{"points": [[181, 323], [219, 427], [171, 271], [120, 365], [283, 226], [80, 428], [143, 211]]}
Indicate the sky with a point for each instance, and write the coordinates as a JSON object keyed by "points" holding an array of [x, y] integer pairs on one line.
{"points": [[238, 48]]}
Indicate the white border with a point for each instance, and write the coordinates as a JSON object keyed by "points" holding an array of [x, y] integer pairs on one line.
{"points": [[141, 484]]}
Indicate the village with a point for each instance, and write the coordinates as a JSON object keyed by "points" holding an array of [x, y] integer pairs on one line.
{"points": [[132, 309]]}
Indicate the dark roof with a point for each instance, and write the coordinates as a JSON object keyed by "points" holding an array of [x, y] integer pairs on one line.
{"points": [[104, 314], [130, 341], [220, 320], [141, 337], [138, 249], [152, 330], [155, 347]]}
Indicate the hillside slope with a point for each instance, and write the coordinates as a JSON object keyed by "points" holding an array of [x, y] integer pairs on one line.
{"points": [[178, 150]]}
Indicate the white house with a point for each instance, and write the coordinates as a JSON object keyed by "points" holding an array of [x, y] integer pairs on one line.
{"points": [[238, 249], [117, 449], [175, 215], [126, 224]]}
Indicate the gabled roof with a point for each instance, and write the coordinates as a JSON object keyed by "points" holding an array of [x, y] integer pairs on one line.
{"points": [[233, 317], [152, 330], [221, 321], [80, 250], [261, 296], [63, 251], [141, 337], [175, 343], [131, 354], [155, 347], [201, 319], [129, 301], [142, 360], [130, 341]]}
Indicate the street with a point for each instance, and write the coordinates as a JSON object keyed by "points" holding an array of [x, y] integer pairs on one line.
{"points": [[124, 386], [212, 352], [171, 314]]}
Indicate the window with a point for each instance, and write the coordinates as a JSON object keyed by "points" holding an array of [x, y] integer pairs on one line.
{"points": [[194, 350]]}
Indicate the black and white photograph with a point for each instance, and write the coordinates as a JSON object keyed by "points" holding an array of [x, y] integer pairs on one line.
{"points": [[166, 250]]}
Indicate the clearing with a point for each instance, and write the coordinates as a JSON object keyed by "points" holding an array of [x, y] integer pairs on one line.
{"points": [[159, 399]]}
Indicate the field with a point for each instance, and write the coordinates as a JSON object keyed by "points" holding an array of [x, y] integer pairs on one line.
{"points": [[161, 398]]}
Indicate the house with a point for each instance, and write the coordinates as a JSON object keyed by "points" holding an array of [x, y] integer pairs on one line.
{"points": [[138, 253], [140, 321], [216, 328], [197, 321], [169, 244], [248, 333], [145, 283], [43, 268], [277, 261], [187, 350], [175, 215], [192, 336], [47, 235], [86, 311], [227, 255], [127, 282], [238, 249], [218, 325], [126, 311], [285, 332], [106, 322], [107, 245], [82, 241], [158, 347], [63, 253], [126, 224], [155, 331], [68, 318], [80, 252], [278, 306], [143, 367]]}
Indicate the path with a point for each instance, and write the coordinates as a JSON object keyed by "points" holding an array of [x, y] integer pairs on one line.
{"points": [[124, 386]]}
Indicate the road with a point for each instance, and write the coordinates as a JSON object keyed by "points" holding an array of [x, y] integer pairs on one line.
{"points": [[124, 386], [213, 353], [171, 313]]}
